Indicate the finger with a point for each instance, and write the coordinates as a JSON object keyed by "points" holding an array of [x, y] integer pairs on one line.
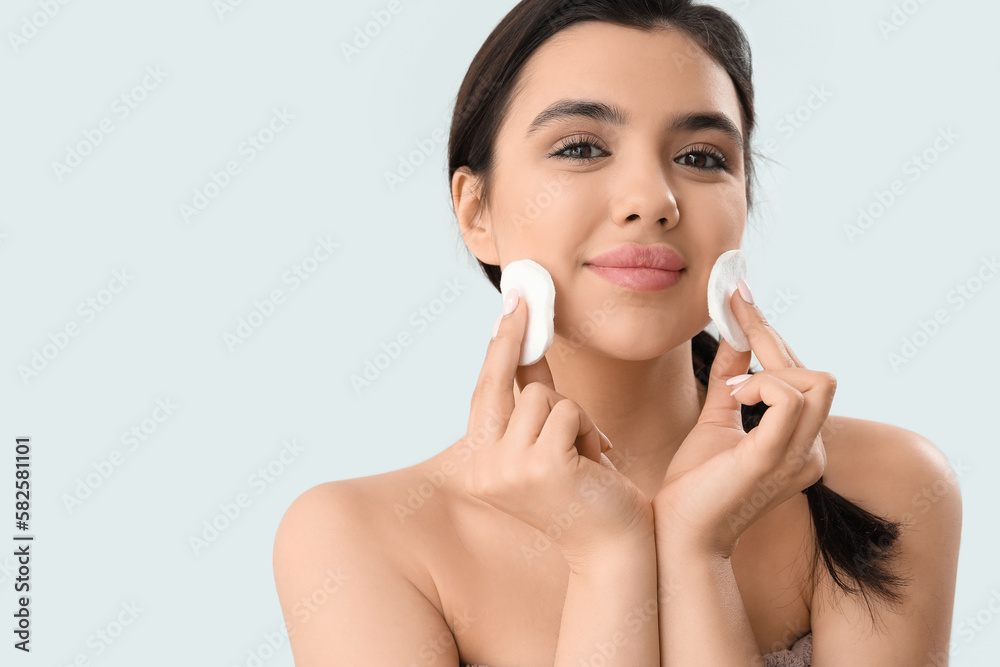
{"points": [[568, 429], [493, 397], [536, 372], [531, 411], [770, 440], [721, 408], [804, 393], [766, 343], [606, 462]]}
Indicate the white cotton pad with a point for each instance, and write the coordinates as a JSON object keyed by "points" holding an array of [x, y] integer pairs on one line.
{"points": [[730, 267], [535, 285]]}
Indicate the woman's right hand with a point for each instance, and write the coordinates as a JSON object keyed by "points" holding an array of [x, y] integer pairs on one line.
{"points": [[543, 458]]}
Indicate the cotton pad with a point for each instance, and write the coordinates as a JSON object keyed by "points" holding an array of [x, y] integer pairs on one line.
{"points": [[535, 284], [730, 267]]}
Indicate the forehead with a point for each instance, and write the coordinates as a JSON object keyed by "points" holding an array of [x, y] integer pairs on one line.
{"points": [[650, 74]]}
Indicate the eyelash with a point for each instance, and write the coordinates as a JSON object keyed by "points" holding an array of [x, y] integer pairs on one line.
{"points": [[584, 140]]}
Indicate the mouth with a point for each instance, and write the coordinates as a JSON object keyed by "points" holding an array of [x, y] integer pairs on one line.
{"points": [[638, 278]]}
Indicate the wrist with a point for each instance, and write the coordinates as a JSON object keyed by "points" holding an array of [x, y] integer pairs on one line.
{"points": [[680, 539], [627, 550], [692, 551]]}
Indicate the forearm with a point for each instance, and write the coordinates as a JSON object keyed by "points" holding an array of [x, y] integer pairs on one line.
{"points": [[702, 620], [610, 613]]}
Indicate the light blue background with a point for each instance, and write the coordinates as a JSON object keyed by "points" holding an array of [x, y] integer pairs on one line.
{"points": [[847, 305]]}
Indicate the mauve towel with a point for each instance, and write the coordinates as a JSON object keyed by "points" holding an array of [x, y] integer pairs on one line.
{"points": [[800, 655]]}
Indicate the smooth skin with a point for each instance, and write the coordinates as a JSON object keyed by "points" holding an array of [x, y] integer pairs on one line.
{"points": [[480, 553]]}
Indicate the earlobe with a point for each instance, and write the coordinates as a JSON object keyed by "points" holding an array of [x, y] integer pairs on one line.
{"points": [[473, 222]]}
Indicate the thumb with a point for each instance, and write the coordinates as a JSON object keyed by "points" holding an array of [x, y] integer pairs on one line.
{"points": [[720, 407]]}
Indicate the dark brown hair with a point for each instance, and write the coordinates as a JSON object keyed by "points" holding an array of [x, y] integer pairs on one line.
{"points": [[856, 546]]}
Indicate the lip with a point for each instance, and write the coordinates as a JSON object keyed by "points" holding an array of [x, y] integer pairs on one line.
{"points": [[643, 268]]}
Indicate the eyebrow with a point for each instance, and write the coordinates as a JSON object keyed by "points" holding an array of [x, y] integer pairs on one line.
{"points": [[612, 114]]}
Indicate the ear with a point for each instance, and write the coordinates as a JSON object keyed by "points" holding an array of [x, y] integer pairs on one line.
{"points": [[473, 220]]}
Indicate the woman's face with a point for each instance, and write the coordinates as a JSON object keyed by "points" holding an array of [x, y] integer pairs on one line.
{"points": [[577, 186]]}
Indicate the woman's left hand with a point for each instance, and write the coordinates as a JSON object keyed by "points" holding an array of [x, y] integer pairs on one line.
{"points": [[722, 479]]}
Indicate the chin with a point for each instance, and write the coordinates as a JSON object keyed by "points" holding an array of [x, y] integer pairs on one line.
{"points": [[628, 343]]}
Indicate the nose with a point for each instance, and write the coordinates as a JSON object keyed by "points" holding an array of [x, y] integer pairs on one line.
{"points": [[646, 194]]}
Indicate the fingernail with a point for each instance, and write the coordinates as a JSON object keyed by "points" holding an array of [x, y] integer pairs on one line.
{"points": [[496, 325], [745, 291], [510, 303], [610, 446], [741, 385], [738, 378]]}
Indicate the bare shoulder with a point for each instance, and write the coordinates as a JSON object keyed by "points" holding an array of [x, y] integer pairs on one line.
{"points": [[342, 582], [371, 512], [337, 505], [887, 469], [320, 532], [904, 478], [340, 507]]}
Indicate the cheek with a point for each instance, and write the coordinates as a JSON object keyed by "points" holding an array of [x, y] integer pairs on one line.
{"points": [[543, 205], [719, 218], [546, 216]]}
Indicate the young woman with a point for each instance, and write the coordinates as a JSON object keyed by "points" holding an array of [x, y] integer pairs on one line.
{"points": [[724, 527]]}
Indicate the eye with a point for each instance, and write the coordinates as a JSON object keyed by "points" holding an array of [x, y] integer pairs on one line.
{"points": [[574, 144], [704, 158]]}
